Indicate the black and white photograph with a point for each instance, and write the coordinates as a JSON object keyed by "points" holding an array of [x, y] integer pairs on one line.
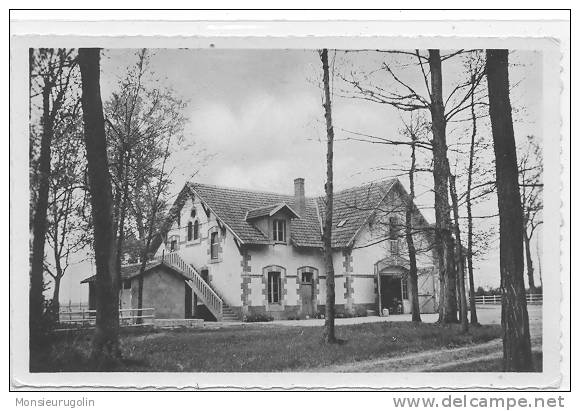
{"points": [[350, 207]]}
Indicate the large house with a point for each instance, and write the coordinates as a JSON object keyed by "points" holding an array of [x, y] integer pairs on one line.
{"points": [[235, 253]]}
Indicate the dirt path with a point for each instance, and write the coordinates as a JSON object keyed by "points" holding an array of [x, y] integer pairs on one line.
{"points": [[432, 360]]}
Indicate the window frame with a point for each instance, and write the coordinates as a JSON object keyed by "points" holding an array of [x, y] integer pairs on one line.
{"points": [[173, 243], [214, 246], [279, 229], [394, 248], [404, 288], [306, 273], [274, 287], [195, 230], [189, 231]]}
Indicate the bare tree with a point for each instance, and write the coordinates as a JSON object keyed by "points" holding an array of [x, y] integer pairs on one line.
{"points": [[67, 225], [50, 73], [106, 348], [517, 352], [329, 335], [531, 190], [403, 95], [460, 265], [145, 122]]}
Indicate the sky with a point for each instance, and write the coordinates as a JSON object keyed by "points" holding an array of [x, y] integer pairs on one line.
{"points": [[257, 116]]}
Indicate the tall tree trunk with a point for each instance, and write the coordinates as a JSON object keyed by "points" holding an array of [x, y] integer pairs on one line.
{"points": [[517, 352], [106, 339], [472, 307], [443, 237], [40, 210], [539, 254], [529, 262], [460, 256], [415, 308], [329, 336], [56, 294]]}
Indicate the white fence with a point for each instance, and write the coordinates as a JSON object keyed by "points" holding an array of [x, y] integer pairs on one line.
{"points": [[71, 317], [496, 299]]}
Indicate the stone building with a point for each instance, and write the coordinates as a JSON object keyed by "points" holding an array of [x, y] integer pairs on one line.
{"points": [[230, 253]]}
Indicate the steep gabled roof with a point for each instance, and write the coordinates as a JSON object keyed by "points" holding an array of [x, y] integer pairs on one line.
{"points": [[231, 205], [235, 208], [352, 208]]}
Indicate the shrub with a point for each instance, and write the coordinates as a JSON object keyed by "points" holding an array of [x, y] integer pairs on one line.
{"points": [[258, 318]]}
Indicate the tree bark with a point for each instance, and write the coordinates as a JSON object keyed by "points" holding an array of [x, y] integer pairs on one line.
{"points": [[472, 307], [529, 262], [40, 211], [415, 308], [443, 237], [56, 294], [460, 256], [105, 350], [329, 335], [517, 353]]}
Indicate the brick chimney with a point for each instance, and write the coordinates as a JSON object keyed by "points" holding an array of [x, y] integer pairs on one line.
{"points": [[299, 198]]}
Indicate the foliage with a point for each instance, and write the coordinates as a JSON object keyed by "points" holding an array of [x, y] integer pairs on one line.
{"points": [[258, 318]]}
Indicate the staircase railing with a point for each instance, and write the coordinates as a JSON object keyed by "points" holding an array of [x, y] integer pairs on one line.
{"points": [[209, 297]]}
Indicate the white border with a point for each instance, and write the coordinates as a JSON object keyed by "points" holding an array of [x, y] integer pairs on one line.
{"points": [[256, 34]]}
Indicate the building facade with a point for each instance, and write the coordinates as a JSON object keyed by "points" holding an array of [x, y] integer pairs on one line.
{"points": [[261, 254]]}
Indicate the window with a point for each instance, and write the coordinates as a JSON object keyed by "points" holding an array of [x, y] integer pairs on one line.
{"points": [[173, 245], [393, 230], [280, 231], [404, 288], [126, 284], [189, 231], [274, 287], [307, 278], [394, 247], [214, 244], [193, 212], [196, 230]]}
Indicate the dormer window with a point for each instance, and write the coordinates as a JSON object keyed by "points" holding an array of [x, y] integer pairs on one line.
{"points": [[279, 231]]}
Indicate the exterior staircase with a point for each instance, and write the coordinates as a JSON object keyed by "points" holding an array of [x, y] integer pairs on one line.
{"points": [[214, 303], [228, 315]]}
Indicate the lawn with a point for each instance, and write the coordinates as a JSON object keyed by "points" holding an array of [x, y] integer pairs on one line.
{"points": [[259, 347], [491, 365]]}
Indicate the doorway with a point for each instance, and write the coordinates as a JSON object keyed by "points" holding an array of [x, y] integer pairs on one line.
{"points": [[306, 293], [205, 275], [391, 294], [188, 301]]}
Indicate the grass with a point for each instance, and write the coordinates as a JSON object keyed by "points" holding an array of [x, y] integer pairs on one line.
{"points": [[258, 348], [490, 365]]}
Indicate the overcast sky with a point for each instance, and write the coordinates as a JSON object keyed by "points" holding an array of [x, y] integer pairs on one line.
{"points": [[259, 114]]}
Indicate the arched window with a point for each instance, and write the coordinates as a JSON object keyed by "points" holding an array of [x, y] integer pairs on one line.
{"points": [[189, 231], [196, 230]]}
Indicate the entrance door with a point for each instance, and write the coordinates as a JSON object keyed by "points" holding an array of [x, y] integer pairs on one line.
{"points": [[391, 297], [306, 294], [188, 301], [205, 275]]}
